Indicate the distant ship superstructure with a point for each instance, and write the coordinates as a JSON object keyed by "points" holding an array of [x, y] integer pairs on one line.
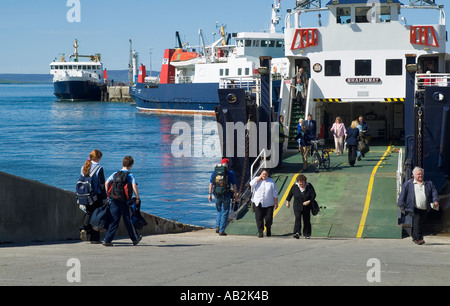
{"points": [[78, 80]]}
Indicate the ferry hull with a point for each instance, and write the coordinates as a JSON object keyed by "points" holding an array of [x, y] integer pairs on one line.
{"points": [[78, 90], [188, 99], [177, 98]]}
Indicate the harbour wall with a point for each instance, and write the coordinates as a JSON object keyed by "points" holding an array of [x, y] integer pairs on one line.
{"points": [[118, 94], [35, 212]]}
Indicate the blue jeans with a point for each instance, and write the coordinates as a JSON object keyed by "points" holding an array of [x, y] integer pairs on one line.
{"points": [[120, 209], [223, 209]]}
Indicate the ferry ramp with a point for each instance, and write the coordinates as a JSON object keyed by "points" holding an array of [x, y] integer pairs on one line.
{"points": [[356, 202]]}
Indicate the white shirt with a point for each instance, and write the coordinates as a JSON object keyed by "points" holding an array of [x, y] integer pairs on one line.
{"points": [[421, 199], [264, 192]]}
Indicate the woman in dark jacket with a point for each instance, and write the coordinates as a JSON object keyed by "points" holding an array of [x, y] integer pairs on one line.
{"points": [[91, 164], [303, 194], [351, 137]]}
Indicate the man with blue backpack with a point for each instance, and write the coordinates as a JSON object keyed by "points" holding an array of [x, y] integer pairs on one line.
{"points": [[220, 185], [120, 186]]}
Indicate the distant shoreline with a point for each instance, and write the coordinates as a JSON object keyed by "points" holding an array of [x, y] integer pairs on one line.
{"points": [[33, 79], [13, 82]]}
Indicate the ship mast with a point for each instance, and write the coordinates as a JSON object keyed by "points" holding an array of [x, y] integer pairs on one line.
{"points": [[75, 54], [93, 58], [276, 7]]}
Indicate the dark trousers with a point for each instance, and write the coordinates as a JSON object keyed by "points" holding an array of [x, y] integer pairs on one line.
{"points": [[306, 215], [93, 234], [418, 218], [351, 155], [261, 214], [120, 209], [280, 154]]}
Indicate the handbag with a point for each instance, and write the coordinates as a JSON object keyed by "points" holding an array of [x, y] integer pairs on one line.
{"points": [[101, 218], [315, 207]]}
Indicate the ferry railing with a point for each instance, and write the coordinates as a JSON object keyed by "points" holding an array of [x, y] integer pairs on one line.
{"points": [[250, 84], [399, 173], [432, 79], [262, 159]]}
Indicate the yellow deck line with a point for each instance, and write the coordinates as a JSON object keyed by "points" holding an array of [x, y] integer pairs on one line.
{"points": [[369, 194], [283, 199]]}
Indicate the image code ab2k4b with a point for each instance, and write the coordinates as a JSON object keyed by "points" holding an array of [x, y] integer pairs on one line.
{"points": [[229, 295]]}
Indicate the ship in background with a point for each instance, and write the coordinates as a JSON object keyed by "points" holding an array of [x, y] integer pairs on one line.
{"points": [[190, 77], [76, 80]]}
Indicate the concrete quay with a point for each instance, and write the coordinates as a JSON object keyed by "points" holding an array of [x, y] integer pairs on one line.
{"points": [[202, 258], [118, 94]]}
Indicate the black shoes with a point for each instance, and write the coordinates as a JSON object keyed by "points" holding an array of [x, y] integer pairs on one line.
{"points": [[139, 238]]}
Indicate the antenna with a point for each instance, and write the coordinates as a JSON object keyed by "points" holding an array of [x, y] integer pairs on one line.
{"points": [[308, 4], [422, 3]]}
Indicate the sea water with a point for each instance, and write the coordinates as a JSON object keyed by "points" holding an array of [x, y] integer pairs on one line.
{"points": [[47, 140]]}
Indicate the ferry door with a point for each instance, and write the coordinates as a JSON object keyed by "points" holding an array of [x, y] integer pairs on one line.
{"points": [[428, 63], [305, 64]]}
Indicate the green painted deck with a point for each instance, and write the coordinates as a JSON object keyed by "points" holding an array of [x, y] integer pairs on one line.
{"points": [[342, 193]]}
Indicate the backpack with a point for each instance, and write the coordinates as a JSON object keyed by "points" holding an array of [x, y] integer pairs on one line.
{"points": [[101, 218], [120, 189], [221, 183], [86, 195]]}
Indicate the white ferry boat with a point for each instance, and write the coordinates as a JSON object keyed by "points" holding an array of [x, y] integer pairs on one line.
{"points": [[358, 63], [76, 80], [190, 79]]}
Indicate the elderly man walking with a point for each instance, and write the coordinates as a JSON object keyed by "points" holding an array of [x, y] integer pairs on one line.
{"points": [[416, 199]]}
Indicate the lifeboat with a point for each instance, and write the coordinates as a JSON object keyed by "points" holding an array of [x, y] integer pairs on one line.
{"points": [[183, 58]]}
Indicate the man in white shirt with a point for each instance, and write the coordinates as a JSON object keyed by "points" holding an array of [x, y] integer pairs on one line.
{"points": [[265, 199]]}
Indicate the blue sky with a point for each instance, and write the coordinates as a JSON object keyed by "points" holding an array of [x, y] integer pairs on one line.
{"points": [[34, 32]]}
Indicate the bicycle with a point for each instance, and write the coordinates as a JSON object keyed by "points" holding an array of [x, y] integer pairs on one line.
{"points": [[320, 157]]}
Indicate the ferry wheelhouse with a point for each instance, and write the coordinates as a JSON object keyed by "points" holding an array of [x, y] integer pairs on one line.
{"points": [[356, 64], [76, 80]]}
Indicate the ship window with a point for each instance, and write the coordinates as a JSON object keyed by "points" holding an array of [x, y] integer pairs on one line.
{"points": [[344, 15], [384, 14], [89, 67], [264, 43], [227, 72], [248, 43], [363, 14], [65, 67], [70, 67], [279, 44], [333, 68], [394, 67], [84, 67], [256, 43], [239, 71], [221, 72], [247, 71], [363, 67], [271, 43]]}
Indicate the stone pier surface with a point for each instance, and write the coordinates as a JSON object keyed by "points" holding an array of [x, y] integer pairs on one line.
{"points": [[203, 258]]}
